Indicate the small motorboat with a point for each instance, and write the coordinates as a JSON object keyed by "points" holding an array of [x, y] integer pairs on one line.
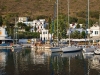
{"points": [[97, 51]]}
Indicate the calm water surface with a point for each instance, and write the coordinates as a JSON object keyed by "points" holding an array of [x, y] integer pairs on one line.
{"points": [[31, 62]]}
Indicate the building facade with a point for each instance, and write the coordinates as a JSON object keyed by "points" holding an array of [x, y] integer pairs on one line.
{"points": [[95, 32], [37, 25], [4, 36], [44, 36]]}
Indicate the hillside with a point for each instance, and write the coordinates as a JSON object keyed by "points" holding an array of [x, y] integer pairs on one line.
{"points": [[34, 8]]}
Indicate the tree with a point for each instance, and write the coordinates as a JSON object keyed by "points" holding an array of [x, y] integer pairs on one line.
{"points": [[27, 28], [21, 25], [1, 21], [35, 28], [83, 34], [78, 26], [81, 21], [73, 19]]}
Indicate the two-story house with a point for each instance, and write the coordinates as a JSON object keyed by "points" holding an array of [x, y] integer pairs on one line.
{"points": [[95, 32]]}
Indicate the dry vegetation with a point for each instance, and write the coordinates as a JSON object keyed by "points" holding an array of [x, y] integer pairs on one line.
{"points": [[34, 8]]}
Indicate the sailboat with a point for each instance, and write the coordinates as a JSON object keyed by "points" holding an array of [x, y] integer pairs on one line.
{"points": [[16, 46], [57, 48], [89, 49], [70, 48]]}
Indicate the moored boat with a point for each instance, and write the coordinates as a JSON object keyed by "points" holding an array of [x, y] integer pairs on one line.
{"points": [[89, 49], [97, 51], [55, 49], [71, 49]]}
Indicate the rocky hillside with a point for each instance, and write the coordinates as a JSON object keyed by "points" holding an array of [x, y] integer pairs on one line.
{"points": [[34, 8]]}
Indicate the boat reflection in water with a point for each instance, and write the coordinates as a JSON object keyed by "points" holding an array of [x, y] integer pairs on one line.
{"points": [[38, 56], [62, 63], [95, 62], [3, 60], [43, 62]]}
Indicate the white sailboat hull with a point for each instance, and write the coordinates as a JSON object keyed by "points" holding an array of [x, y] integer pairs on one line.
{"points": [[71, 49], [55, 49], [89, 49]]}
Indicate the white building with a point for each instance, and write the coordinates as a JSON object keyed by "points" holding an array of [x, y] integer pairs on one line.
{"points": [[3, 36], [45, 35], [22, 19], [95, 32], [73, 25], [73, 28], [38, 24], [78, 29], [3, 33]]}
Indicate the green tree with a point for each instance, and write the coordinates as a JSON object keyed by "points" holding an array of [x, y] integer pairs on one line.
{"points": [[81, 21], [83, 34], [27, 28], [73, 19], [35, 28], [21, 25], [1, 21], [78, 26]]}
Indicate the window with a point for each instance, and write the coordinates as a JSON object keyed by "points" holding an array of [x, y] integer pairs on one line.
{"points": [[96, 32], [43, 32]]}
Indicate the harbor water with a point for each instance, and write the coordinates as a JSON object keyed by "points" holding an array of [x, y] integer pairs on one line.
{"points": [[33, 62]]}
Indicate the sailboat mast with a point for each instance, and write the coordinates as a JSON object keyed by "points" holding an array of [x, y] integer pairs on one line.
{"points": [[15, 31], [88, 21], [57, 20], [88, 13], [68, 23], [99, 28]]}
